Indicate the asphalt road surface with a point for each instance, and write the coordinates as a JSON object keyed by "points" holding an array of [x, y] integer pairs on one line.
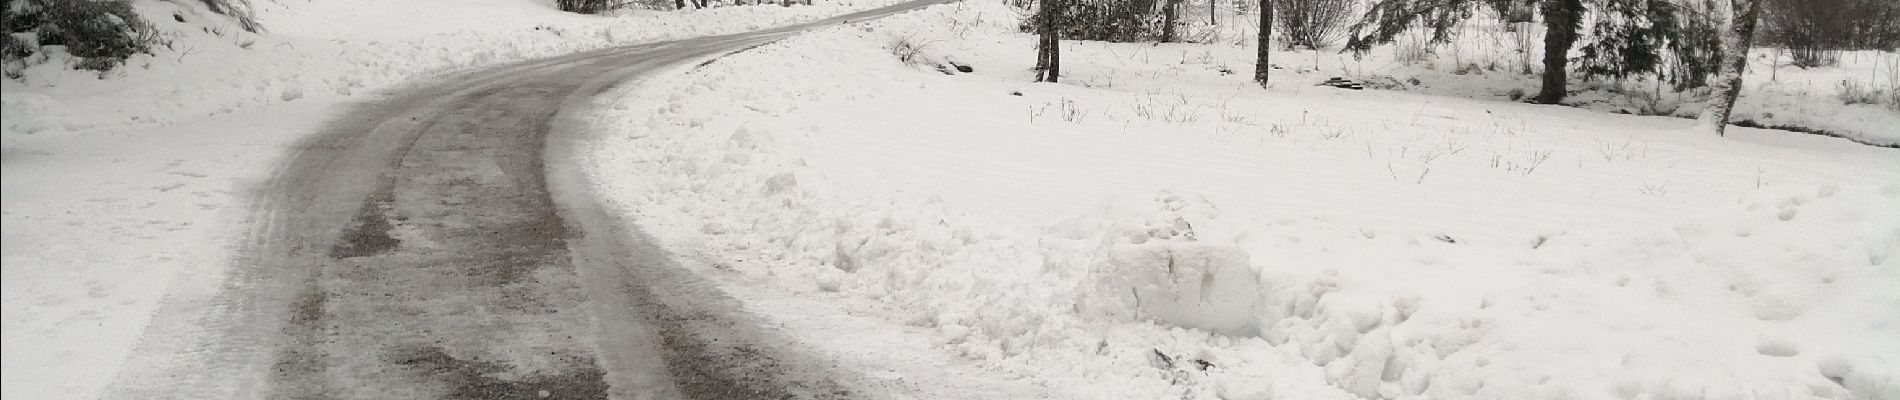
{"points": [[437, 244]]}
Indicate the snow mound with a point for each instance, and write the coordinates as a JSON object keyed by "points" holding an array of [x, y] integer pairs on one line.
{"points": [[1788, 293], [1157, 266]]}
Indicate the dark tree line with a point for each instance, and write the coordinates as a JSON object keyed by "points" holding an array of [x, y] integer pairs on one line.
{"points": [[1815, 31], [1687, 42]]}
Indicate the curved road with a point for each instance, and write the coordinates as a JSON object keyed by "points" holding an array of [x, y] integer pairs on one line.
{"points": [[436, 244]]}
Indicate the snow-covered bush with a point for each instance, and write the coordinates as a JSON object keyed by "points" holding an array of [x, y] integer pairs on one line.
{"points": [[99, 33], [1855, 92], [584, 6], [908, 49]]}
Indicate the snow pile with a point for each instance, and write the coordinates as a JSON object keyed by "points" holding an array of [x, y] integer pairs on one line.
{"points": [[332, 50], [1773, 297], [1163, 267], [847, 172]]}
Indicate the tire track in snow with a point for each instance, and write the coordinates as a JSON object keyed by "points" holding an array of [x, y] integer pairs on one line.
{"points": [[415, 250]]}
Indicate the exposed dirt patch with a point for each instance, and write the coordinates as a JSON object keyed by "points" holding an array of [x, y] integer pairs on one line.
{"points": [[480, 380], [297, 366], [368, 234]]}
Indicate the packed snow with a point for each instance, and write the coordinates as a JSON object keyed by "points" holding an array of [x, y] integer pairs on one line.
{"points": [[1162, 227]]}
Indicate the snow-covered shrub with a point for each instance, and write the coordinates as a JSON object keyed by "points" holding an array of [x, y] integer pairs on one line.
{"points": [[908, 49], [14, 50], [1855, 92], [100, 33], [586, 6]]}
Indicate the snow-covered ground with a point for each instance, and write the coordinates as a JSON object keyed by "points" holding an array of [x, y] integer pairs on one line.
{"points": [[122, 190], [1775, 94], [328, 51], [1159, 227], [1490, 60], [1154, 227]]}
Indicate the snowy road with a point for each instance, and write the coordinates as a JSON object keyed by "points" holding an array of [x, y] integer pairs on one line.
{"points": [[437, 244]]}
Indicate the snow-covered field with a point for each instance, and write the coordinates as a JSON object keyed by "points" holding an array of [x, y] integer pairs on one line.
{"points": [[1775, 94], [1490, 60], [328, 51], [122, 190], [1159, 227]]}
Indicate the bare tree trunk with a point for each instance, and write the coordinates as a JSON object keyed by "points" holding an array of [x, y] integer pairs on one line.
{"points": [[1737, 26], [1170, 17], [1054, 72], [1562, 19], [1048, 53], [1265, 45], [679, 4], [1042, 55], [1042, 36]]}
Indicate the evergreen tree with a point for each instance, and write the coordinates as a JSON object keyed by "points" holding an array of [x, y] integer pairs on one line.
{"points": [[1649, 37], [1386, 19]]}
